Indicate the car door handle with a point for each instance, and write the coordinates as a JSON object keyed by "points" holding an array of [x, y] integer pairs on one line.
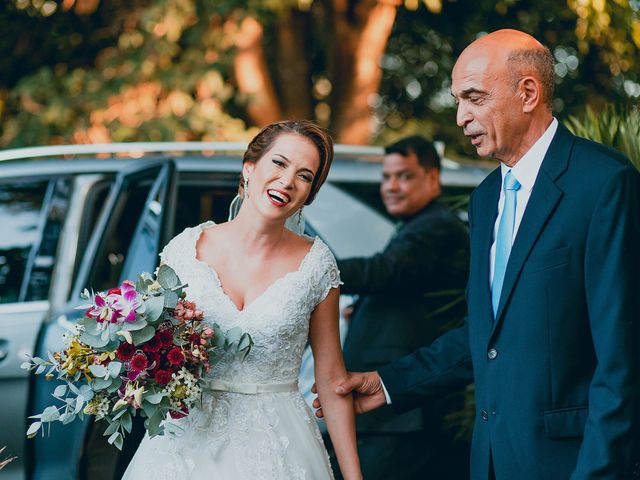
{"points": [[4, 353]]}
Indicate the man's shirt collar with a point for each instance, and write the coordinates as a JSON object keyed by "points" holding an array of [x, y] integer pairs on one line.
{"points": [[527, 168]]}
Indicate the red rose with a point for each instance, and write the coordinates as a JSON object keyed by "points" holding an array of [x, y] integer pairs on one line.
{"points": [[183, 412], [166, 337], [175, 356], [138, 362], [116, 291], [152, 345], [162, 377], [125, 351], [194, 338]]}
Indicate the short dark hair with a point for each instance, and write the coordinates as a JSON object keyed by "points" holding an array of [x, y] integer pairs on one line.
{"points": [[538, 61], [320, 138], [423, 149]]}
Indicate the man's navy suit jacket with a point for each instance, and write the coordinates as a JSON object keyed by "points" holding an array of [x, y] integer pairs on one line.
{"points": [[557, 372]]}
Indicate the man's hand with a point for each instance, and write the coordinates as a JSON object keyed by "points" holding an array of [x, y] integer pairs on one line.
{"points": [[367, 392]]}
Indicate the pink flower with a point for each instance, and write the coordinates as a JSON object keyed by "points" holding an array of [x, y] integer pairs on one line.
{"points": [[128, 302], [104, 309]]}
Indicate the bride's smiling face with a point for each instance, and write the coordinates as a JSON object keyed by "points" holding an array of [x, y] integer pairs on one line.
{"points": [[281, 180]]}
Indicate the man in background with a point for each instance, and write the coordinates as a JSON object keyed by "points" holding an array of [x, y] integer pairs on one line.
{"points": [[403, 292]]}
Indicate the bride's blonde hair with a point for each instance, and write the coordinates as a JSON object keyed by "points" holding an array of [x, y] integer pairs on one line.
{"points": [[323, 142]]}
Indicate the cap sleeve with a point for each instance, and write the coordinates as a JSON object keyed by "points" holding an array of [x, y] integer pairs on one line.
{"points": [[326, 273]]}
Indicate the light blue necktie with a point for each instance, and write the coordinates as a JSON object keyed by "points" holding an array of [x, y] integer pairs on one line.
{"points": [[504, 238]]}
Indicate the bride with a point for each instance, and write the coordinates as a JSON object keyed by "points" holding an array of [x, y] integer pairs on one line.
{"points": [[280, 287]]}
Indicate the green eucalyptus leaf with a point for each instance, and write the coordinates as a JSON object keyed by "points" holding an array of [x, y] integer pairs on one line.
{"points": [[67, 417], [60, 391], [154, 423], [144, 335], [167, 277], [233, 335], [149, 409], [154, 398], [111, 429], [99, 384], [90, 325], [137, 325], [154, 306], [50, 414], [32, 431], [114, 369], [95, 341], [98, 370], [170, 299], [126, 422]]}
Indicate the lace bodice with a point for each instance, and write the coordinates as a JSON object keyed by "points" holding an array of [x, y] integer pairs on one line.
{"points": [[271, 436], [277, 320]]}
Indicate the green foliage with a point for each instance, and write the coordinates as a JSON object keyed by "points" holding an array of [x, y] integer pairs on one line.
{"points": [[615, 127], [162, 76], [163, 70]]}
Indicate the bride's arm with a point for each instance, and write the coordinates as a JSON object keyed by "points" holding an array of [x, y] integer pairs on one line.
{"points": [[329, 372]]}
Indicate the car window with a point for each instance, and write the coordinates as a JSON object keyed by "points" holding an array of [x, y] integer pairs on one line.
{"points": [[198, 202], [31, 214], [111, 259]]}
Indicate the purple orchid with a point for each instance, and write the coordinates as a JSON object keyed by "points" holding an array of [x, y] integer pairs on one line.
{"points": [[103, 309], [129, 302]]}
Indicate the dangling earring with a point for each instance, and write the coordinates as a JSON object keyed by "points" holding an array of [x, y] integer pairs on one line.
{"points": [[246, 187], [300, 215]]}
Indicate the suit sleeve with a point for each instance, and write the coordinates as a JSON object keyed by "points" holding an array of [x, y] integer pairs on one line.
{"points": [[612, 266], [429, 371], [410, 257]]}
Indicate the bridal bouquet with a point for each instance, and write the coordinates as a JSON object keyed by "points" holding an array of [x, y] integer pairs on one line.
{"points": [[139, 349]]}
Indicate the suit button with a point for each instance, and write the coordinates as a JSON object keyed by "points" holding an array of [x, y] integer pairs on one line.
{"points": [[484, 415], [492, 354]]}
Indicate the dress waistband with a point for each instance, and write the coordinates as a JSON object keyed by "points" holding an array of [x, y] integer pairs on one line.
{"points": [[248, 388]]}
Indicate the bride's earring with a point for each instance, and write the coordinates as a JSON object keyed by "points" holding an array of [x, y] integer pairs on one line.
{"points": [[300, 215], [246, 187]]}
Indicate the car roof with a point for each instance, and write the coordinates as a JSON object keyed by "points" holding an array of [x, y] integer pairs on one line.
{"points": [[351, 163]]}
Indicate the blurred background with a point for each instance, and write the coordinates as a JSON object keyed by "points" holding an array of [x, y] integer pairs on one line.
{"points": [[96, 71]]}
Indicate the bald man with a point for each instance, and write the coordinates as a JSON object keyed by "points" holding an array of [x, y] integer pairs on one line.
{"points": [[552, 335]]}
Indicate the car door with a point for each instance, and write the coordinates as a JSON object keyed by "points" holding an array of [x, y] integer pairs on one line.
{"points": [[134, 223], [32, 212]]}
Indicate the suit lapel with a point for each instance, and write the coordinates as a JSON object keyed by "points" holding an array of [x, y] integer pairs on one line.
{"points": [[542, 202], [487, 203]]}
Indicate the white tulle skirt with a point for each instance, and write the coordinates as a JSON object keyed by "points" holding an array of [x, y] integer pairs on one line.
{"points": [[237, 436]]}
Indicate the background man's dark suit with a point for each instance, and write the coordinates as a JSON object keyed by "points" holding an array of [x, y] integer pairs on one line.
{"points": [[557, 374], [428, 254]]}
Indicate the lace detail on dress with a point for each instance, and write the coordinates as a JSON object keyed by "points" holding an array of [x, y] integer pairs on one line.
{"points": [[263, 436]]}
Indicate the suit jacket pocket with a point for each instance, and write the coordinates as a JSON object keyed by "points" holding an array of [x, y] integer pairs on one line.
{"points": [[545, 261], [565, 422]]}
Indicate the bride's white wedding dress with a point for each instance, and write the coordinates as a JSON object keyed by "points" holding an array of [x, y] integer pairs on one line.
{"points": [[253, 423]]}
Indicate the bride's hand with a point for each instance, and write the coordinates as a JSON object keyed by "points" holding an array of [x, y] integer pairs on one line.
{"points": [[368, 393]]}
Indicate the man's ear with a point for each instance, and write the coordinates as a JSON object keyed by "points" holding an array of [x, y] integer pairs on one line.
{"points": [[433, 178], [530, 93]]}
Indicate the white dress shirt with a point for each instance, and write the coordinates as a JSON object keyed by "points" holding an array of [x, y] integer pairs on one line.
{"points": [[525, 171]]}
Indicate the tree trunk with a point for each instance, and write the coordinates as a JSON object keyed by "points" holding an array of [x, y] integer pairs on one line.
{"points": [[361, 43], [292, 64], [252, 75]]}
